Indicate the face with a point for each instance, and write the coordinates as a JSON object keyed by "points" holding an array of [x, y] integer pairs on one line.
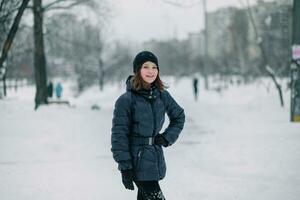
{"points": [[149, 72]]}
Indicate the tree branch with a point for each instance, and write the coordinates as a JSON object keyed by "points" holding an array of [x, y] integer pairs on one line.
{"points": [[62, 7], [242, 3], [1, 4], [52, 3], [181, 4], [9, 13], [12, 32], [72, 3]]}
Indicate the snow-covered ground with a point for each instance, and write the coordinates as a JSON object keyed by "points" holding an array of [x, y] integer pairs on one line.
{"points": [[238, 144]]}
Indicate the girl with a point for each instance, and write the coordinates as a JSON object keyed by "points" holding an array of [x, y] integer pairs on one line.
{"points": [[138, 117]]}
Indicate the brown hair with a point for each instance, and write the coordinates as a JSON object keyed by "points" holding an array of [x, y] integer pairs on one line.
{"points": [[138, 82]]}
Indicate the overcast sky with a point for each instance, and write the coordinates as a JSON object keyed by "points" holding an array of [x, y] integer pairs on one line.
{"points": [[141, 20]]}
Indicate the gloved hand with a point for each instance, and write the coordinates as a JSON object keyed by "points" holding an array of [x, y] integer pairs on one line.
{"points": [[127, 179], [160, 140]]}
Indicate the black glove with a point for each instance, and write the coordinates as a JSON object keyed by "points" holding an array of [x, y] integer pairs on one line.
{"points": [[127, 179], [160, 140]]}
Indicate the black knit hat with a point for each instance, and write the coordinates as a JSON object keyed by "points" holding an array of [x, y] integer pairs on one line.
{"points": [[143, 57]]}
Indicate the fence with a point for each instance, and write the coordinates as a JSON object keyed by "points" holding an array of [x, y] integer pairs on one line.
{"points": [[11, 84]]}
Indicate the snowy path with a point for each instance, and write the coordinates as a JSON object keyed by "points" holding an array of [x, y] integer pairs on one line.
{"points": [[230, 149]]}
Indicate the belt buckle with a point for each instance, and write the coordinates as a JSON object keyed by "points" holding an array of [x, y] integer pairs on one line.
{"points": [[150, 141]]}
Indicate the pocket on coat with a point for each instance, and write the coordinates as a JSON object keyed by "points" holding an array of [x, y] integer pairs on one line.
{"points": [[146, 159], [138, 158]]}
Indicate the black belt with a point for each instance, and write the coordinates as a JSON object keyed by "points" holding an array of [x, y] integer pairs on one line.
{"points": [[141, 140]]}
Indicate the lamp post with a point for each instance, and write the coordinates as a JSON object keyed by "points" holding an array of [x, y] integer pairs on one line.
{"points": [[205, 61], [295, 65]]}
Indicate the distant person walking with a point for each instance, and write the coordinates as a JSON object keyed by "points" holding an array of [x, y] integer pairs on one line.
{"points": [[139, 115], [50, 90], [58, 90], [195, 88]]}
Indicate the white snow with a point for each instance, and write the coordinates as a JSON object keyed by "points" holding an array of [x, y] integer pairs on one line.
{"points": [[238, 144]]}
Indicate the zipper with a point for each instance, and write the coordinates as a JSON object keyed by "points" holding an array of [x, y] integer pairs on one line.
{"points": [[154, 121], [140, 155], [154, 131]]}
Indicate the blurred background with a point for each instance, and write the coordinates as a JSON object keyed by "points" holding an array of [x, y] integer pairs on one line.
{"points": [[234, 66], [93, 42]]}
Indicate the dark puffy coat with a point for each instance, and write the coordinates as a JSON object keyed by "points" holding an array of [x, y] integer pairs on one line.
{"points": [[141, 114]]}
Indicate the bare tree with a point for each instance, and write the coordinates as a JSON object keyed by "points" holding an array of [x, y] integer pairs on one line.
{"points": [[102, 69], [10, 37], [39, 52], [39, 55], [266, 63], [8, 9]]}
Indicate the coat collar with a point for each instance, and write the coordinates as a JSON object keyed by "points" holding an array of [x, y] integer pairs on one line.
{"points": [[150, 94]]}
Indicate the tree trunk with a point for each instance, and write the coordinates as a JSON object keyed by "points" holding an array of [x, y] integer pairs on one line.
{"points": [[205, 61], [101, 74], [278, 86], [4, 85], [39, 55]]}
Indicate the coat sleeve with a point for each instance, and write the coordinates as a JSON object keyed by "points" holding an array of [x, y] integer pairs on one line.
{"points": [[176, 116], [120, 133]]}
